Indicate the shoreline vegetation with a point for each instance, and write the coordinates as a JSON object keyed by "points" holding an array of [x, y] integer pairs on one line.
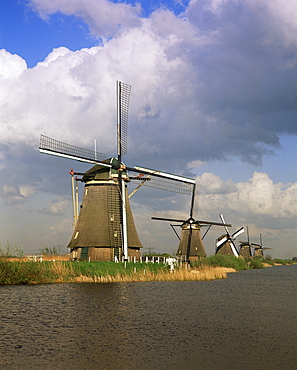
{"points": [[15, 271]]}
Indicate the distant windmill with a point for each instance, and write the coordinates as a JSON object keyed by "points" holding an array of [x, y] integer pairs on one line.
{"points": [[104, 228], [225, 244], [245, 248], [259, 249], [191, 244]]}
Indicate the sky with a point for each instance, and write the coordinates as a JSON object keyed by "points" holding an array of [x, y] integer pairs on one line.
{"points": [[213, 97]]}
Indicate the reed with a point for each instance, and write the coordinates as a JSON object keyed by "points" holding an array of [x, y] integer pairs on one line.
{"points": [[181, 274], [101, 272]]}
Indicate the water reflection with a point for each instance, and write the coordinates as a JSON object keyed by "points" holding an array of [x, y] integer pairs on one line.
{"points": [[247, 321]]}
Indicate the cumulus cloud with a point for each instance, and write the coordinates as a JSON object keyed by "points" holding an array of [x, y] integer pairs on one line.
{"points": [[16, 195], [103, 17], [56, 207], [202, 82], [12, 65], [258, 197], [63, 226]]}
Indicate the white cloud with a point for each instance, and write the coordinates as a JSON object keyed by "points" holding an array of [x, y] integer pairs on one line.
{"points": [[62, 227], [210, 183], [12, 65], [27, 190], [104, 18], [201, 91], [56, 207], [259, 196], [17, 195], [195, 164]]}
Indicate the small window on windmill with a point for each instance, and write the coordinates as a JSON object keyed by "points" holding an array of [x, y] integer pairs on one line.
{"points": [[76, 234], [196, 248], [115, 234], [86, 191], [112, 217]]}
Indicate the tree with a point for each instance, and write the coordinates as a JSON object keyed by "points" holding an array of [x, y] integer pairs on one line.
{"points": [[56, 250], [10, 250]]}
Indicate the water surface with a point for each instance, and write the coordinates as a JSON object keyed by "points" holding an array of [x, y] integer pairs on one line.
{"points": [[247, 321]]}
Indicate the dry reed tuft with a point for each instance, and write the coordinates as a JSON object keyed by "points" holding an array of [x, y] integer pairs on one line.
{"points": [[54, 257], [203, 274], [62, 270]]}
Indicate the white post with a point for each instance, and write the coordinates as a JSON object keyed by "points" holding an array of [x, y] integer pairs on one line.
{"points": [[95, 146], [76, 201], [73, 199], [125, 236]]}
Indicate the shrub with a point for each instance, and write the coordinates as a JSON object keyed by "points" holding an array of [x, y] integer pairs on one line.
{"points": [[220, 260], [282, 262], [10, 250], [256, 263]]}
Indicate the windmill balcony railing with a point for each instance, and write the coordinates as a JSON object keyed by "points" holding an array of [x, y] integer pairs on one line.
{"points": [[153, 259]]}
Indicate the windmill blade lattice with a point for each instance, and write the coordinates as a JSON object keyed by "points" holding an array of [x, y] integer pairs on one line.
{"points": [[59, 148], [123, 94], [162, 180]]}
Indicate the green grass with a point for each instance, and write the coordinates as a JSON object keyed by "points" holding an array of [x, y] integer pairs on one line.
{"points": [[220, 260], [23, 273], [111, 268], [283, 262], [256, 263]]}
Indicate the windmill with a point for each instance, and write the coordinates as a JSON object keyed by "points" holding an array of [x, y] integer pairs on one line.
{"points": [[245, 248], [259, 249], [104, 228], [225, 244], [191, 244]]}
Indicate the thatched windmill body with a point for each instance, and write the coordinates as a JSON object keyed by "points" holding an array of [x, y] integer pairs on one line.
{"points": [[98, 231], [259, 249], [191, 245], [225, 244], [104, 226], [245, 248]]}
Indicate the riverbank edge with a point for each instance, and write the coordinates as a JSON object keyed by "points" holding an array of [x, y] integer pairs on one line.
{"points": [[29, 273]]}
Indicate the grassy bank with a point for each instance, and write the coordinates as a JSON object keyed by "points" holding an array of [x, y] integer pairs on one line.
{"points": [[209, 268], [241, 263], [103, 272]]}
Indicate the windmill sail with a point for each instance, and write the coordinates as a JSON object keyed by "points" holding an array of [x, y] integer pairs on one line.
{"points": [[123, 95], [225, 244], [60, 149], [162, 180]]}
